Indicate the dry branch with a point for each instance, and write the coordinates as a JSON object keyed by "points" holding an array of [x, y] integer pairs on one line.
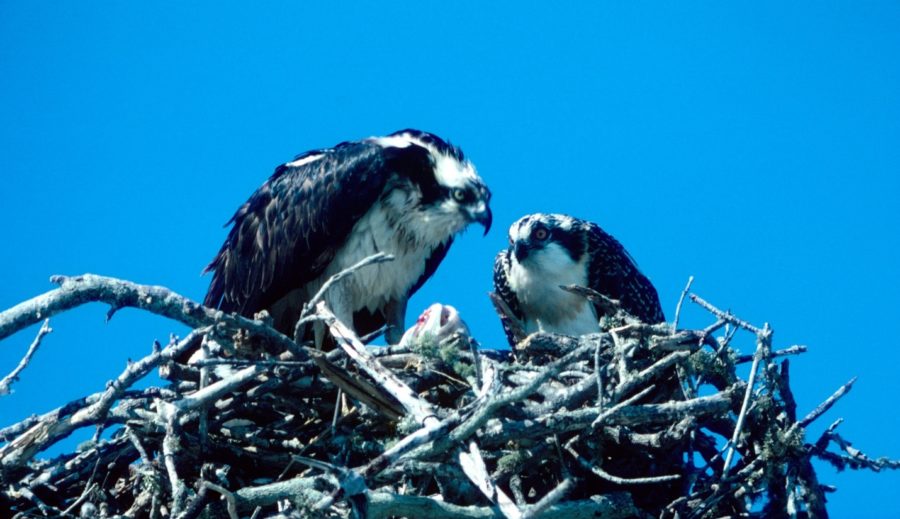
{"points": [[7, 381]]}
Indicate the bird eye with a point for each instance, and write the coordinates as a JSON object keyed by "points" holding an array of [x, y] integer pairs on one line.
{"points": [[459, 194], [540, 234]]}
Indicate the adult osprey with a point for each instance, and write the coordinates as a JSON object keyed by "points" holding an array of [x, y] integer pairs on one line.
{"points": [[407, 194], [549, 250]]}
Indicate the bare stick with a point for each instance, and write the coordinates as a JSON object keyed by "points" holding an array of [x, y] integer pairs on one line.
{"points": [[549, 500], [475, 469], [599, 374], [511, 322], [231, 503], [171, 448], [46, 433], [137, 445], [356, 350], [374, 259], [684, 293], [603, 415], [309, 307], [585, 464], [727, 316], [608, 305], [826, 405], [84, 495], [14, 375], [793, 350], [764, 336]]}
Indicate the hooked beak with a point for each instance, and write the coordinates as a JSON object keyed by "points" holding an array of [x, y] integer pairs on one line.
{"points": [[484, 217]]}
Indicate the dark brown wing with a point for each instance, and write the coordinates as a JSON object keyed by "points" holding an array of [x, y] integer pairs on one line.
{"points": [[290, 229], [613, 273], [502, 289]]}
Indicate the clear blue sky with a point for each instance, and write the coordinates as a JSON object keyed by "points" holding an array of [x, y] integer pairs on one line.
{"points": [[755, 146]]}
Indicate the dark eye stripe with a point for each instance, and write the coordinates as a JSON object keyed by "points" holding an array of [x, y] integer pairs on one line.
{"points": [[468, 196]]}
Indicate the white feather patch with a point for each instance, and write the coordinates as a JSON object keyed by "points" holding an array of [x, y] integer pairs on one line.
{"points": [[305, 160], [448, 171], [373, 286], [536, 282]]}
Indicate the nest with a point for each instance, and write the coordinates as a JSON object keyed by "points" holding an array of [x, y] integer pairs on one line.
{"points": [[638, 421]]}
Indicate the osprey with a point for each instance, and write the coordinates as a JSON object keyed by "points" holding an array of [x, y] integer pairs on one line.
{"points": [[407, 194], [549, 250]]}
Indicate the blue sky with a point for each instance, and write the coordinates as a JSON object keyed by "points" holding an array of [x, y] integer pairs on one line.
{"points": [[752, 145]]}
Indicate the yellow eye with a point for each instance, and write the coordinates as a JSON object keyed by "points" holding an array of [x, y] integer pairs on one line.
{"points": [[540, 234], [459, 195]]}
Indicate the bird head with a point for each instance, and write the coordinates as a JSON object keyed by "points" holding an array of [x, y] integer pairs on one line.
{"points": [[455, 192], [463, 191], [546, 241]]}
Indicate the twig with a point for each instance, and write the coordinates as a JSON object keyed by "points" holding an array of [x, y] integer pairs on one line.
{"points": [[356, 350], [171, 448], [14, 375], [603, 415], [475, 469], [46, 433], [793, 350], [599, 374], [137, 445], [586, 465], [231, 502], [628, 384], [549, 500], [727, 316], [684, 293], [200, 363], [310, 306], [374, 259], [826, 405], [203, 422], [608, 305], [84, 495], [763, 339]]}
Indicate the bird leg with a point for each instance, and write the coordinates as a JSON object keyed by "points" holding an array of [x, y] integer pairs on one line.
{"points": [[394, 316]]}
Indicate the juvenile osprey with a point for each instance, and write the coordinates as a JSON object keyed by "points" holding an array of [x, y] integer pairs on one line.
{"points": [[407, 194], [549, 250]]}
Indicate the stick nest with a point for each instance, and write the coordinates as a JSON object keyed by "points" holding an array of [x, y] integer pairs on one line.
{"points": [[638, 421]]}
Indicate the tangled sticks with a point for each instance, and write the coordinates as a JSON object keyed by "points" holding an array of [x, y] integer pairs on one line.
{"points": [[638, 421]]}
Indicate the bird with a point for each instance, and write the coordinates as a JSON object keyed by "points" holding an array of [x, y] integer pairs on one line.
{"points": [[547, 251], [407, 194]]}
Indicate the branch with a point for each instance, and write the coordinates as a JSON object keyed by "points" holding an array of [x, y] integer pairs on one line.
{"points": [[14, 375], [826, 405], [51, 429], [608, 305], [725, 316], [793, 350], [88, 288], [309, 307], [763, 345], [684, 293]]}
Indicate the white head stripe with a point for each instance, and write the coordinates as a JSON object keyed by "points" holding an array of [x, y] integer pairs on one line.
{"points": [[305, 160], [448, 171]]}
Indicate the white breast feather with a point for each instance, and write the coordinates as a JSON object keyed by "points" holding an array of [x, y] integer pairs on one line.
{"points": [[373, 286], [547, 307]]}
